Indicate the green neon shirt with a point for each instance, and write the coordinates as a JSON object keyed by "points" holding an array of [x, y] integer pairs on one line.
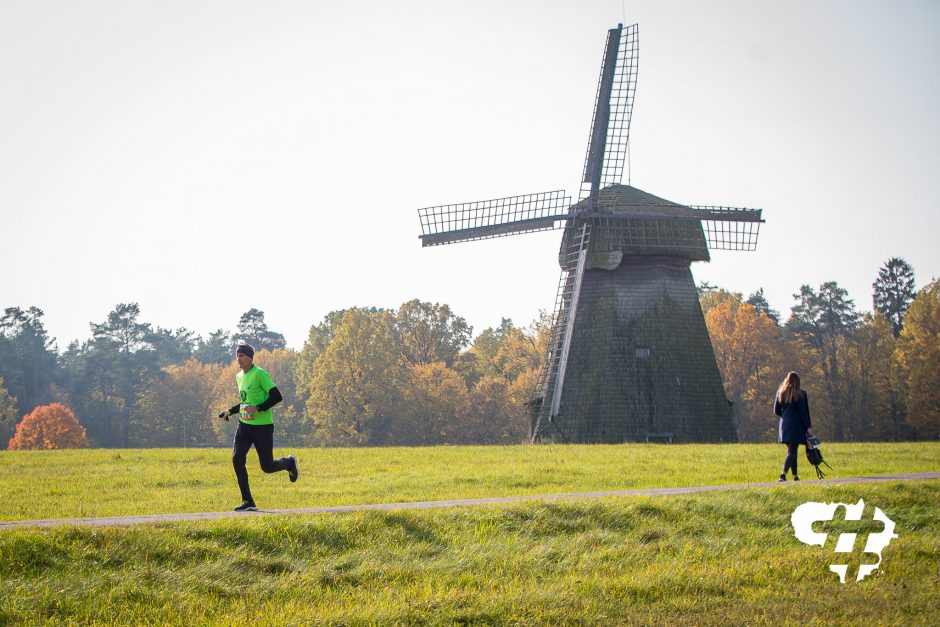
{"points": [[253, 388]]}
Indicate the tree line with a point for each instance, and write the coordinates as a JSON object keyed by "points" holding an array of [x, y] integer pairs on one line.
{"points": [[869, 376], [415, 375], [365, 376]]}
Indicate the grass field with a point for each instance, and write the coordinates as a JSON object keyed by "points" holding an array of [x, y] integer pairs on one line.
{"points": [[108, 482], [716, 558]]}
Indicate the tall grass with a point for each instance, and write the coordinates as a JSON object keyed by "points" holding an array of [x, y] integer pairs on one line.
{"points": [[108, 482], [716, 558]]}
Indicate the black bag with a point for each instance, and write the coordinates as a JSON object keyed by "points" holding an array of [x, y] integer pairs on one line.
{"points": [[814, 455]]}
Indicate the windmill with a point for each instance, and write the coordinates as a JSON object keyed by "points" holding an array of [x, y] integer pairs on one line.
{"points": [[629, 357]]}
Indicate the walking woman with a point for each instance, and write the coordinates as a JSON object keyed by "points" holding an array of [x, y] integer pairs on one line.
{"points": [[792, 406]]}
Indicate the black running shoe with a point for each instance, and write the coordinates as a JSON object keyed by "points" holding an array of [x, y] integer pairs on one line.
{"points": [[292, 472], [247, 506]]}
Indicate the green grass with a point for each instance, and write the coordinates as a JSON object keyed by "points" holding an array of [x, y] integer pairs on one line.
{"points": [[725, 557], [108, 482], [717, 558]]}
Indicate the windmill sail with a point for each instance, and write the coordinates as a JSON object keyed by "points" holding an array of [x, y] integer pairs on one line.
{"points": [[465, 222], [613, 109], [730, 228]]}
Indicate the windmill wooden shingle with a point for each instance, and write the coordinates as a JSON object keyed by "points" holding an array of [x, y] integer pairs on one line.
{"points": [[629, 358]]}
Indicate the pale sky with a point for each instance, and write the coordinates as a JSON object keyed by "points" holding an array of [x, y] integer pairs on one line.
{"points": [[203, 158]]}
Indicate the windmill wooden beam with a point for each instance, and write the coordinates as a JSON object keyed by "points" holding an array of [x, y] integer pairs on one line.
{"points": [[497, 230]]}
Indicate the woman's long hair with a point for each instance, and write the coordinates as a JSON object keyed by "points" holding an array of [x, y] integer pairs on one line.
{"points": [[790, 391]]}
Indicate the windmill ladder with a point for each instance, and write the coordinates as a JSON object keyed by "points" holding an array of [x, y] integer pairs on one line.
{"points": [[551, 380]]}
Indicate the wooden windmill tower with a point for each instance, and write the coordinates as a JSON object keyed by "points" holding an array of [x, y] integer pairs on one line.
{"points": [[629, 357]]}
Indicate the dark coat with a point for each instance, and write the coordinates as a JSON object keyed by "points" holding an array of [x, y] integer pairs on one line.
{"points": [[794, 420]]}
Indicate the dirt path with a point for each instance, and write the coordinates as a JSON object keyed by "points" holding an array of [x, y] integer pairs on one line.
{"points": [[120, 521]]}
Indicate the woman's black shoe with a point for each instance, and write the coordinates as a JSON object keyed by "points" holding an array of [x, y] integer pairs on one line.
{"points": [[782, 478], [247, 506]]}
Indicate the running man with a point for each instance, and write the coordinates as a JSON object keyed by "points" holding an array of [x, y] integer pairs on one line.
{"points": [[255, 425]]}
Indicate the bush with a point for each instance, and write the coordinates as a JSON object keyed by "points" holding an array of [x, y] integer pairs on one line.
{"points": [[49, 427]]}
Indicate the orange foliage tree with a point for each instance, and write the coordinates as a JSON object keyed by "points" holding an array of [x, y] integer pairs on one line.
{"points": [[49, 427], [750, 356]]}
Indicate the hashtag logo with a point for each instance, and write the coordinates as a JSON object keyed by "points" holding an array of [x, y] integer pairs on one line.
{"points": [[808, 514]]}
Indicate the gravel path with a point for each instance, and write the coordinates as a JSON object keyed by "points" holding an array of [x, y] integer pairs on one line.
{"points": [[121, 521]]}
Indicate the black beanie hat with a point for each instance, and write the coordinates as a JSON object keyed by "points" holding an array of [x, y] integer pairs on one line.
{"points": [[245, 349]]}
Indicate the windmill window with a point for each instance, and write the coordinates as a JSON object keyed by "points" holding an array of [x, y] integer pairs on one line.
{"points": [[642, 352]]}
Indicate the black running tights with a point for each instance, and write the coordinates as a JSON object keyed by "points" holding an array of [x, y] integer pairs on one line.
{"points": [[262, 436]]}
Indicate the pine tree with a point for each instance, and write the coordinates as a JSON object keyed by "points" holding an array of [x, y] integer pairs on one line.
{"points": [[28, 359], [823, 321], [759, 301], [253, 329], [894, 291]]}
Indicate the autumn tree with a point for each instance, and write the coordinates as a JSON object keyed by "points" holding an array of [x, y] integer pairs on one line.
{"points": [[48, 427], [519, 394], [481, 359], [894, 291], [178, 407], [433, 403], [919, 355], [355, 390], [431, 332], [710, 296], [509, 363], [318, 340], [495, 415], [874, 387], [228, 396], [506, 351], [520, 350], [8, 415], [292, 426], [749, 351]]}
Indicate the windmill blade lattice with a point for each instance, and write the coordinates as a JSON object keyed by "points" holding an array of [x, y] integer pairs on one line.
{"points": [[500, 217], [613, 109], [730, 228]]}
